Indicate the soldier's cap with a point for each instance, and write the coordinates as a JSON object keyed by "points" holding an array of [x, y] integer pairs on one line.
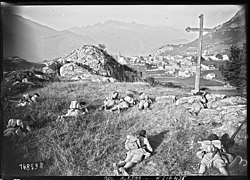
{"points": [[142, 133], [36, 94], [82, 103], [212, 137], [130, 95], [225, 137]]}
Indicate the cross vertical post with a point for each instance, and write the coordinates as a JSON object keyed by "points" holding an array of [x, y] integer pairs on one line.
{"points": [[198, 64]]}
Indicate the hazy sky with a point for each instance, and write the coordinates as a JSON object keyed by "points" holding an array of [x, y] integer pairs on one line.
{"points": [[178, 16]]}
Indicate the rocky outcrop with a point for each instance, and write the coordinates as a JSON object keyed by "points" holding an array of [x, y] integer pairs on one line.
{"points": [[48, 70], [20, 81], [224, 114], [99, 62]]}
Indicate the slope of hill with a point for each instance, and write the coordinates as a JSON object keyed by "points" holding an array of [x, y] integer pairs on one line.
{"points": [[218, 41], [88, 145], [132, 38], [35, 42], [17, 63]]}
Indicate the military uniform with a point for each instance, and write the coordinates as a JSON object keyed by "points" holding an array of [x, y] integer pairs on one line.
{"points": [[213, 155], [145, 101]]}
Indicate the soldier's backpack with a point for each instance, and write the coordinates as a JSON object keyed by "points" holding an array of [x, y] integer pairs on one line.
{"points": [[73, 105], [208, 145], [132, 143]]}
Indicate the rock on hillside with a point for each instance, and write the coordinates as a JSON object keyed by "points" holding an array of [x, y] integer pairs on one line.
{"points": [[72, 69], [19, 81], [223, 114], [98, 62], [17, 63], [232, 32]]}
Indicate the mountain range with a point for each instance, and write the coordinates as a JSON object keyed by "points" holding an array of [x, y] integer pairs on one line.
{"points": [[232, 32], [35, 42], [132, 39]]}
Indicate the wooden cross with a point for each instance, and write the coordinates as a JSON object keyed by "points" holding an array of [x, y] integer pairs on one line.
{"points": [[198, 65]]}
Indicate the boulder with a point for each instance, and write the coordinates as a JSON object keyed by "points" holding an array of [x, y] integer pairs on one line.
{"points": [[209, 112], [234, 100], [19, 81], [236, 108], [76, 78], [181, 101], [167, 99], [73, 70], [233, 117], [112, 79], [99, 62], [47, 70], [216, 118], [41, 76], [190, 100]]}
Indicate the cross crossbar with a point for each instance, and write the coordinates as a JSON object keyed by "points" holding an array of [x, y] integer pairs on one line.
{"points": [[188, 29]]}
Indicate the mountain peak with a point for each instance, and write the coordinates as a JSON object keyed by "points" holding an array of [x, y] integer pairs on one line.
{"points": [[112, 22]]}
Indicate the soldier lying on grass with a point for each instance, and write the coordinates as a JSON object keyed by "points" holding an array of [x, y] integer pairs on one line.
{"points": [[27, 99], [130, 100], [75, 109], [145, 101], [17, 126], [139, 149], [124, 103], [120, 106], [111, 101], [212, 154]]}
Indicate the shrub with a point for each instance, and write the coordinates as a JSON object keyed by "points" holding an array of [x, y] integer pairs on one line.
{"points": [[219, 56], [151, 81], [235, 70]]}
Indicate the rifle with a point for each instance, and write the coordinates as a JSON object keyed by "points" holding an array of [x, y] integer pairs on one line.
{"points": [[230, 141], [12, 100]]}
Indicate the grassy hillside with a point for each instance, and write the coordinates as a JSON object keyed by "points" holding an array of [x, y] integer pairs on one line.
{"points": [[88, 145]]}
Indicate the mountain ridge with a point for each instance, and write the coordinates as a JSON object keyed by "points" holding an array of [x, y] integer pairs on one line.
{"points": [[232, 32], [16, 63], [131, 38], [35, 42]]}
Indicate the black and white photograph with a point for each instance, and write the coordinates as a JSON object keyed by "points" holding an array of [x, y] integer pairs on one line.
{"points": [[124, 90]]}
